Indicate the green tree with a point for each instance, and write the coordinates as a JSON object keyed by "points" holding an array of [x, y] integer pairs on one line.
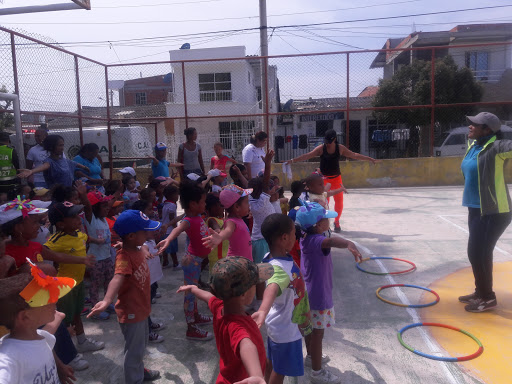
{"points": [[6, 118], [411, 86]]}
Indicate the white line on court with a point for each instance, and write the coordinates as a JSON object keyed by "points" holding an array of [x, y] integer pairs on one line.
{"points": [[431, 344]]}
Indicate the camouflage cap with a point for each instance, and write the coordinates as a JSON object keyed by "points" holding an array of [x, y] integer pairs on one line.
{"points": [[232, 276]]}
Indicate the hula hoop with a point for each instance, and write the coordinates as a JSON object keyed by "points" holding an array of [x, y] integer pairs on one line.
{"points": [[448, 359], [408, 305], [358, 266]]}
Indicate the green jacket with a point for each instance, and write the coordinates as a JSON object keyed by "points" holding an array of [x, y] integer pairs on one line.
{"points": [[494, 196], [7, 168]]}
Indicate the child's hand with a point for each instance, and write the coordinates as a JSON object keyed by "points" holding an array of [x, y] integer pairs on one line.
{"points": [[90, 260], [118, 245], [24, 173], [100, 306], [80, 187], [213, 240], [66, 374], [268, 157], [343, 189], [353, 249], [185, 288], [252, 380], [259, 318], [163, 245]]}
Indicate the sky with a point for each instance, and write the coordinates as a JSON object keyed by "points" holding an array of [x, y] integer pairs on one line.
{"points": [[95, 33]]}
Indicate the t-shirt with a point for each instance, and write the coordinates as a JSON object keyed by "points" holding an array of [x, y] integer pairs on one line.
{"points": [[260, 209], [28, 361], [160, 169], [74, 245], [168, 208], [216, 188], [252, 154], [37, 154], [277, 206], [99, 229], [229, 331], [316, 266], [61, 171], [196, 231], [155, 268], [291, 306], [219, 163], [134, 298], [94, 166], [114, 237], [320, 199], [469, 166], [240, 243], [19, 253]]}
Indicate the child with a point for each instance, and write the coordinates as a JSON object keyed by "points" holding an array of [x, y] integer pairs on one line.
{"points": [[216, 222], [131, 194], [239, 342], [68, 239], [219, 161], [131, 285], [128, 171], [239, 174], [159, 165], [285, 307], [296, 188], [320, 193], [192, 198], [236, 202], [317, 270], [218, 178], [28, 303], [169, 221]]}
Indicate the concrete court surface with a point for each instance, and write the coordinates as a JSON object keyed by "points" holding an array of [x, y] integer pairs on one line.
{"points": [[424, 225]]}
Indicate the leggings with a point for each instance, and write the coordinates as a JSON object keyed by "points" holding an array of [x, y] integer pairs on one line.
{"points": [[336, 183], [191, 271], [100, 274]]}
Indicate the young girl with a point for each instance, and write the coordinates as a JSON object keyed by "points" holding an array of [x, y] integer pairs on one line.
{"points": [[220, 160], [316, 266], [169, 221], [131, 194], [318, 192], [192, 198], [283, 201], [216, 222], [218, 178]]}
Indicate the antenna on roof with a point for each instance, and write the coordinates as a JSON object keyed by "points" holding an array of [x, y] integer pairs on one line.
{"points": [[413, 27], [185, 46]]}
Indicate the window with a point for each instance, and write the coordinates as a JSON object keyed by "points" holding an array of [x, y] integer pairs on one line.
{"points": [[215, 87], [478, 62], [235, 134], [459, 139], [140, 98]]}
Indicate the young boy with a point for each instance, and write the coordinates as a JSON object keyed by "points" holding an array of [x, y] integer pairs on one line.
{"points": [[27, 304], [285, 306], [169, 221], [239, 343], [131, 285], [159, 165], [68, 239]]}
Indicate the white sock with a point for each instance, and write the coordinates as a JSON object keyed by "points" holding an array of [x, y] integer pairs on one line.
{"points": [[315, 373], [81, 338]]}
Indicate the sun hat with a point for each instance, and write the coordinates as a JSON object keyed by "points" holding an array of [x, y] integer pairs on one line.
{"points": [[60, 211], [193, 176], [132, 221], [232, 276], [160, 146], [487, 118], [18, 208], [216, 172], [96, 197], [309, 214], [231, 193], [128, 170]]}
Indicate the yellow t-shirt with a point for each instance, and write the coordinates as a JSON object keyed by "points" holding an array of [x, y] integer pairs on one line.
{"points": [[221, 250], [72, 245]]}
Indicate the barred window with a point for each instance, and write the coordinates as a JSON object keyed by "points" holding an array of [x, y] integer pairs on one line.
{"points": [[215, 87]]}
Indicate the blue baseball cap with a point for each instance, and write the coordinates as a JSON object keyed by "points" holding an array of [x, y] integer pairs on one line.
{"points": [[131, 221], [311, 213], [160, 146]]}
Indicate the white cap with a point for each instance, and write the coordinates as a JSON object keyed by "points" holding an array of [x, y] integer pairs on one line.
{"points": [[193, 176], [9, 212], [129, 170]]}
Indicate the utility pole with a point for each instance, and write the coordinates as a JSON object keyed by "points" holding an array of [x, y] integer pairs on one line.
{"points": [[264, 64]]}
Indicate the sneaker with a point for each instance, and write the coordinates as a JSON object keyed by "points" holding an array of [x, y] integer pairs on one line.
{"points": [[480, 305], [203, 320], [85, 312], [153, 301], [468, 298], [324, 377], [307, 360], [90, 345], [155, 337], [78, 363], [157, 326], [337, 228], [198, 334], [151, 375], [87, 301], [177, 267], [158, 295], [102, 316], [111, 309]]}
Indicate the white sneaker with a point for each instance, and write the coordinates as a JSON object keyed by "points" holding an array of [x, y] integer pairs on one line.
{"points": [[155, 337], [90, 345], [324, 377], [78, 363], [307, 360]]}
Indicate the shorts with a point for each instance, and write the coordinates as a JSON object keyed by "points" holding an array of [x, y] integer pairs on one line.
{"points": [[286, 358], [73, 303], [173, 247], [259, 250], [321, 319]]}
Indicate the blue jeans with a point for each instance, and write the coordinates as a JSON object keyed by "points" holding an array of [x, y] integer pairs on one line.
{"points": [[64, 347]]}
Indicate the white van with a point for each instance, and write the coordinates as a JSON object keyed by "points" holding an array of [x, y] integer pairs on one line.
{"points": [[455, 141], [132, 141]]}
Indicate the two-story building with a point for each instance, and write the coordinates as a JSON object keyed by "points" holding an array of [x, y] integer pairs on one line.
{"points": [[146, 91]]}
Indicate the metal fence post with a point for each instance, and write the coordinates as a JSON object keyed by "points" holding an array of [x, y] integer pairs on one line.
{"points": [[432, 100], [109, 129], [265, 77], [14, 65], [347, 129], [184, 93], [79, 103]]}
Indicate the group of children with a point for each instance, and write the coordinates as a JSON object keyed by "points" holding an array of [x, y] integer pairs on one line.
{"points": [[265, 266]]}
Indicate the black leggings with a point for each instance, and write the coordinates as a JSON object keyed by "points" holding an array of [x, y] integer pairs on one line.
{"points": [[484, 232]]}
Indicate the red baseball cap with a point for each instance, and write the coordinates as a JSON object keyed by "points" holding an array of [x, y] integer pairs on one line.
{"points": [[96, 197]]}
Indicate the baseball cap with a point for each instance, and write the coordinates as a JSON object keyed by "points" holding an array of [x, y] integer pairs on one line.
{"points": [[18, 208], [232, 276], [59, 211], [311, 213], [193, 176], [44, 289], [487, 118], [217, 172], [96, 197], [131, 221], [231, 193], [330, 135], [159, 146], [129, 170], [117, 203]]}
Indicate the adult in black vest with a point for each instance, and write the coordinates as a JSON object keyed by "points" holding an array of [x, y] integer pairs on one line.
{"points": [[330, 154]]}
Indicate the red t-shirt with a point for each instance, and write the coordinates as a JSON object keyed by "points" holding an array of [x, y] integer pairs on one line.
{"points": [[219, 164], [19, 253], [133, 300], [229, 331]]}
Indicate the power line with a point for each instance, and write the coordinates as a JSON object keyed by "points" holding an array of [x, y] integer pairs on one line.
{"points": [[157, 5]]}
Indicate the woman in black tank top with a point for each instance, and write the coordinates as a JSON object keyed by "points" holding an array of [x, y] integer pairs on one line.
{"points": [[330, 154]]}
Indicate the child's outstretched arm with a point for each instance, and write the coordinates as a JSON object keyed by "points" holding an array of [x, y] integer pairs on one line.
{"points": [[162, 246], [113, 289], [340, 242], [241, 177], [216, 238], [271, 292], [197, 292], [64, 258], [268, 167], [81, 188], [333, 192], [251, 361]]}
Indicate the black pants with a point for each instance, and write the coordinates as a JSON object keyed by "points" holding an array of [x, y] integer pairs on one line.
{"points": [[484, 232]]}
